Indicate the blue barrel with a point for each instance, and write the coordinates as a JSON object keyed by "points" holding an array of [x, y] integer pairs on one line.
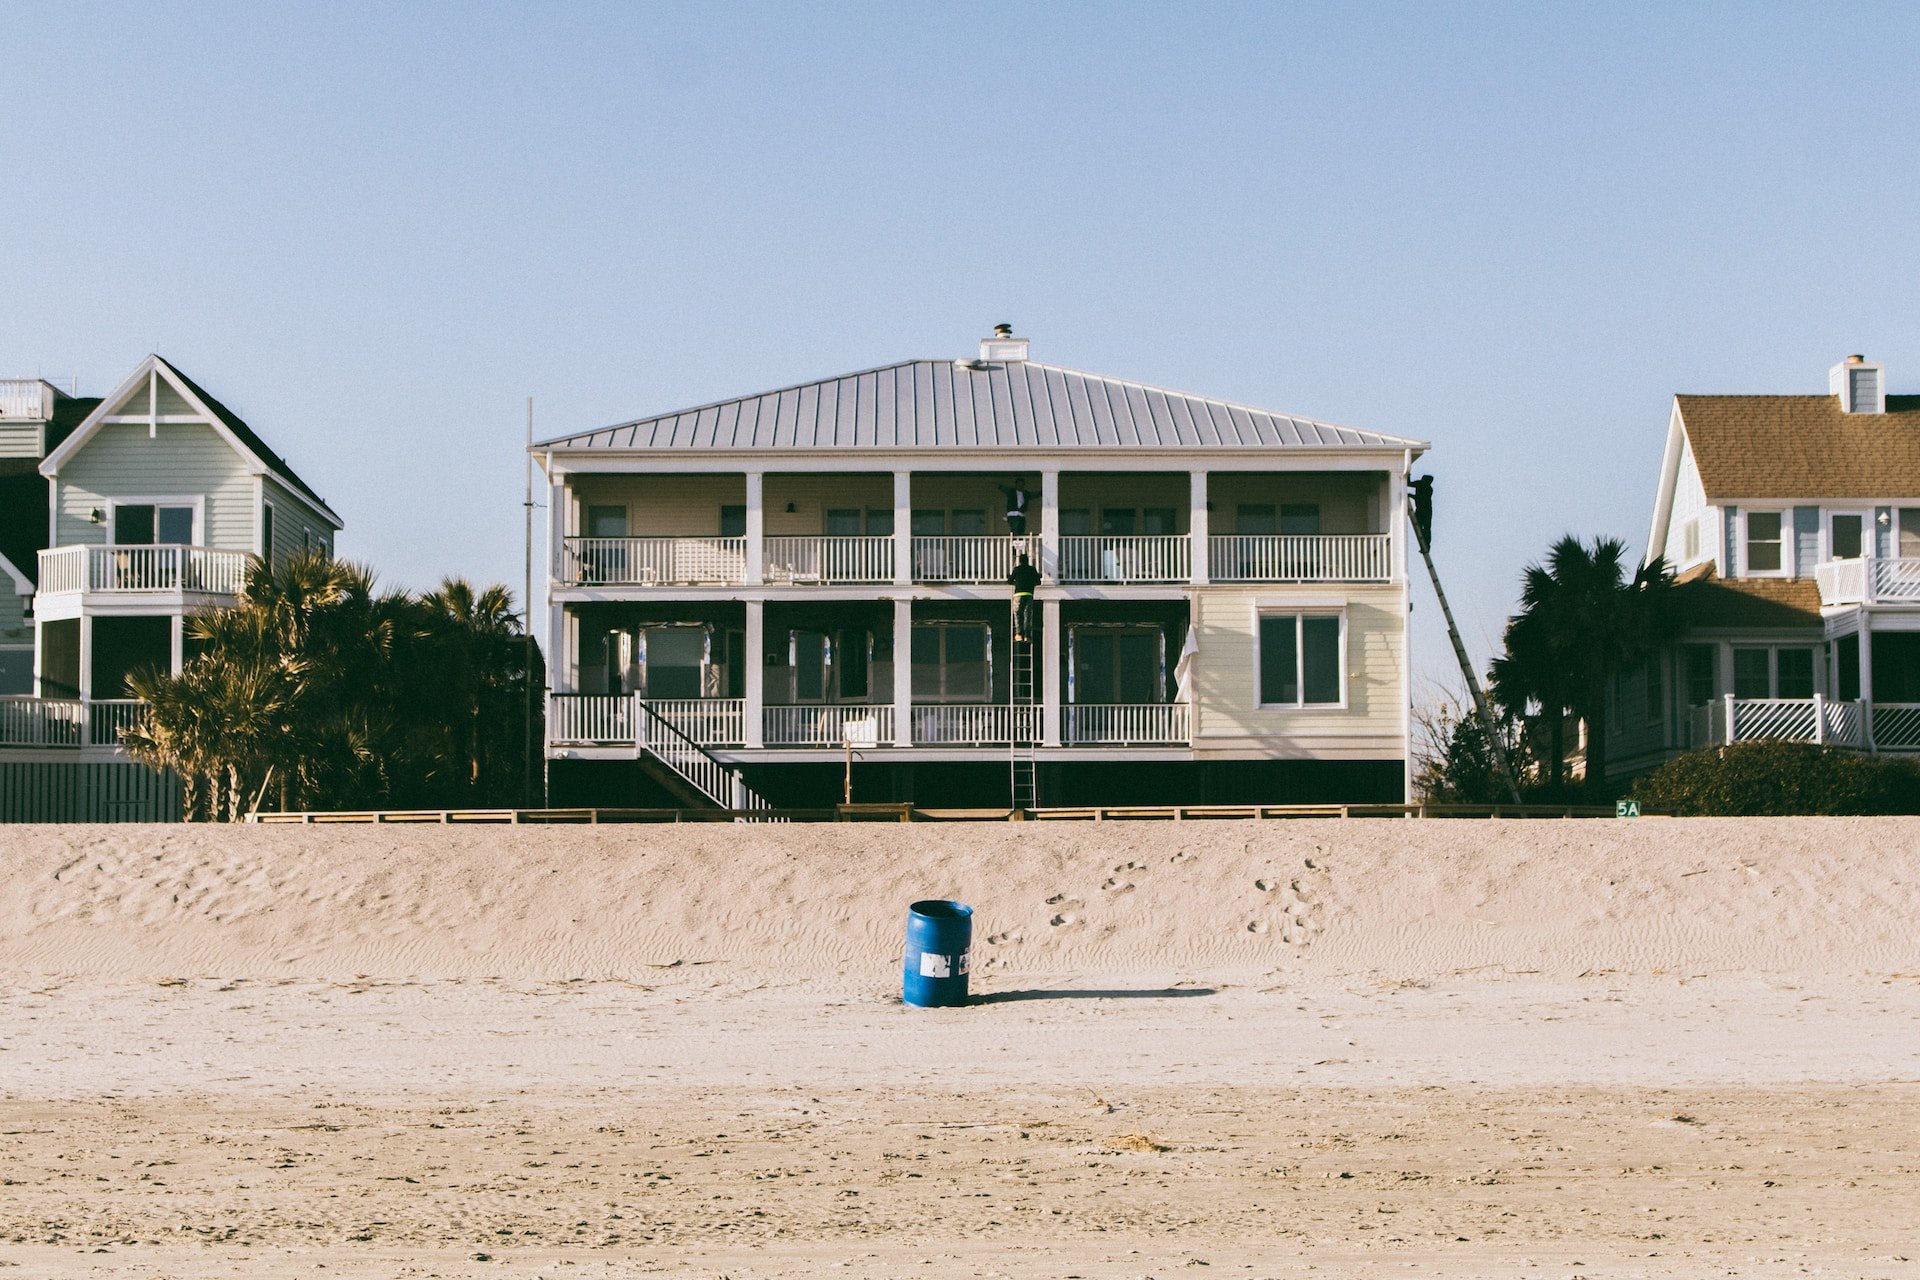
{"points": [[939, 935]]}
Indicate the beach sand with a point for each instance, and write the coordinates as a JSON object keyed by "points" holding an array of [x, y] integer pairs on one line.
{"points": [[1500, 1049]]}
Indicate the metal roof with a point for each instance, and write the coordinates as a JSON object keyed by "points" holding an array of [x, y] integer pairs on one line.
{"points": [[938, 404]]}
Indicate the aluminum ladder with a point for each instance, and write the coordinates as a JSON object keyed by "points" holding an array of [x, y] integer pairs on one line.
{"points": [[1023, 789]]}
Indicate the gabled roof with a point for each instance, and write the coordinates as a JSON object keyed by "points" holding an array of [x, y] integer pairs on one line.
{"points": [[241, 436], [1802, 447], [1702, 600], [936, 404], [68, 412]]}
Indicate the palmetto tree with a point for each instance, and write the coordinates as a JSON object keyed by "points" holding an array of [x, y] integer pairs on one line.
{"points": [[1583, 619]]}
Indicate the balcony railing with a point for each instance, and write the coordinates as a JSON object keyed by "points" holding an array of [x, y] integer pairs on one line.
{"points": [[1125, 724], [25, 398], [679, 561], [1333, 557], [1816, 720], [589, 719], [142, 568], [829, 561], [963, 558], [1150, 558], [974, 724], [822, 726], [1871, 580], [65, 722]]}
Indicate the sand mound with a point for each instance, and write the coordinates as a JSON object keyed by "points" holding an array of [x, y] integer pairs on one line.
{"points": [[1388, 898]]}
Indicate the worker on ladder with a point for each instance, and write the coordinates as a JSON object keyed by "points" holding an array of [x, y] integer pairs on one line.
{"points": [[1024, 579]]}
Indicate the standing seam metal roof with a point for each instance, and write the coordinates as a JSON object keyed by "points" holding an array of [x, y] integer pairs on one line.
{"points": [[934, 404]]}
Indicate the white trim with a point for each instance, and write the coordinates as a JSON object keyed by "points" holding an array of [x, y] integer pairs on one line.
{"points": [[1298, 612], [22, 585], [1746, 543], [1669, 480], [1324, 603], [197, 501]]}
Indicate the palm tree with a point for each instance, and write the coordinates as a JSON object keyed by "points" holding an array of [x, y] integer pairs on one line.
{"points": [[1582, 621]]}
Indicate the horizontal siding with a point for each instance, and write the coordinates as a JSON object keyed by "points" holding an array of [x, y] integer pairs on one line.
{"points": [[19, 440], [1349, 502], [813, 495], [73, 791], [1228, 680], [292, 521], [14, 627], [168, 402], [1689, 505], [182, 460], [657, 507]]}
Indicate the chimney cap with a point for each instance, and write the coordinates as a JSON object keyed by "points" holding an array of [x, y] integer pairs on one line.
{"points": [[1856, 359], [1006, 331], [1002, 347]]}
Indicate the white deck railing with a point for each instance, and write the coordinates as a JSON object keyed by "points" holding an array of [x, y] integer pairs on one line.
{"points": [[1150, 558], [41, 722], [586, 719], [1122, 724], [962, 558], [107, 717], [711, 722], [25, 398], [974, 724], [1871, 580], [822, 726], [1327, 557], [143, 568], [1827, 721], [817, 558], [677, 561]]}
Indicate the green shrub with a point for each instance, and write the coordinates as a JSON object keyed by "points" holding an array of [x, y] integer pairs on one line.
{"points": [[1779, 779]]}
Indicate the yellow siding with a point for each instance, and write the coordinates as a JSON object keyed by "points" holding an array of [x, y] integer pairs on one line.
{"points": [[190, 460], [1131, 490], [662, 506], [813, 495], [1228, 714], [1350, 502]]}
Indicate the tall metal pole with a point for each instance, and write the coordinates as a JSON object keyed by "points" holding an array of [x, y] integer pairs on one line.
{"points": [[526, 608]]}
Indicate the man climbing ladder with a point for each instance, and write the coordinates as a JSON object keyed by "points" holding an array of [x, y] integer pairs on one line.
{"points": [[1024, 579]]}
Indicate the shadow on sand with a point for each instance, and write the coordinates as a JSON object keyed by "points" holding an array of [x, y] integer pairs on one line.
{"points": [[1135, 993]]}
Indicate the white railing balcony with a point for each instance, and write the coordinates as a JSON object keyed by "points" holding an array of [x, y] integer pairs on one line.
{"points": [[1871, 580], [821, 560], [1319, 557], [107, 718], [42, 722], [711, 722], [1820, 720], [1125, 724], [143, 568], [822, 726], [589, 719], [1123, 559], [974, 724], [674, 561], [25, 399], [977, 558]]}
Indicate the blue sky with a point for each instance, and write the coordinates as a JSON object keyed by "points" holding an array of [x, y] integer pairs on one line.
{"points": [[1514, 231]]}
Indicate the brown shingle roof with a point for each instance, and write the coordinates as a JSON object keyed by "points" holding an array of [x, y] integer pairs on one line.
{"points": [[1747, 602], [1802, 447]]}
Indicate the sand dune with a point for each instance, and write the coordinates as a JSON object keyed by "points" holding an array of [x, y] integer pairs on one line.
{"points": [[1658, 1048]]}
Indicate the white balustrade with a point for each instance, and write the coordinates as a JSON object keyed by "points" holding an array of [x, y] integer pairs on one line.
{"points": [[823, 560], [1846, 723], [964, 558], [822, 726], [974, 724], [41, 722], [1122, 724], [1841, 581], [108, 717], [711, 722], [143, 568], [27, 399], [1773, 720], [1871, 580], [586, 719], [1149, 558], [1331, 557], [1896, 726], [681, 561]]}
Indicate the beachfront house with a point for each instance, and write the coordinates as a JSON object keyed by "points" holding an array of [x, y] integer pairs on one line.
{"points": [[740, 591], [1793, 524], [123, 514]]}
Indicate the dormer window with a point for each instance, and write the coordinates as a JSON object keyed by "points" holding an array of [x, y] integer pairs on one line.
{"points": [[1763, 542]]}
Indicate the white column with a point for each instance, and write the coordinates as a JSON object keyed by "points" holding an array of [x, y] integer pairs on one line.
{"points": [[756, 660], [1049, 564], [902, 671], [756, 529], [1197, 527], [177, 651], [1400, 526], [563, 650], [1050, 673], [86, 657], [558, 499], [902, 528]]}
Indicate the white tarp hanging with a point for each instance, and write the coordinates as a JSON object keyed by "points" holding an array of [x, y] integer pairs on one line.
{"points": [[1183, 669]]}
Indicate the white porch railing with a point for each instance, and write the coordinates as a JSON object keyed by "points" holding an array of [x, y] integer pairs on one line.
{"points": [[711, 722], [963, 558], [681, 561], [1871, 580], [823, 560], [108, 716], [586, 719], [1330, 557], [822, 726], [1122, 724], [974, 724], [721, 783], [25, 398], [41, 722], [1150, 558], [1896, 726], [1822, 720], [142, 568]]}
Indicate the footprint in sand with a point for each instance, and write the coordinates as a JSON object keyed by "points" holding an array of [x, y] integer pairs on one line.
{"points": [[1181, 856], [1115, 884], [1064, 917], [1257, 926], [1005, 935]]}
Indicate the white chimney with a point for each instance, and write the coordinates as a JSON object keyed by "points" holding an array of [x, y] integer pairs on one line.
{"points": [[1002, 346], [1862, 387]]}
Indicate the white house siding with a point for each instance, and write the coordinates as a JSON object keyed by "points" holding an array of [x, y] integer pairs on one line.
{"points": [[1228, 716], [20, 439], [182, 460], [1689, 504], [293, 522]]}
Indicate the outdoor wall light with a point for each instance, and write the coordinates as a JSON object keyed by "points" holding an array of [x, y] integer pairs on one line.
{"points": [[1884, 519], [790, 508], [97, 516]]}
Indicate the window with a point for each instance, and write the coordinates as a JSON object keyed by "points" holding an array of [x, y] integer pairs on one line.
{"points": [[1846, 667], [145, 524], [1909, 532], [1690, 541], [606, 522], [733, 521], [843, 523], [1117, 665], [1751, 675], [1118, 522], [1255, 519], [1076, 522], [16, 669], [1763, 542], [1300, 518], [1796, 673], [1300, 659], [1701, 675], [1847, 538], [266, 530], [950, 662], [969, 524], [671, 661], [929, 524], [879, 522]]}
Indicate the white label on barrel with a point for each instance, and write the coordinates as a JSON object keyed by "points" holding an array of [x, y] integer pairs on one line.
{"points": [[933, 966]]}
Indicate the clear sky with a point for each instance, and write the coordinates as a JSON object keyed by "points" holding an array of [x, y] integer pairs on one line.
{"points": [[374, 230]]}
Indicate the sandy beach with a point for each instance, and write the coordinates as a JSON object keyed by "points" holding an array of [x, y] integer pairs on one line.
{"points": [[1661, 1048]]}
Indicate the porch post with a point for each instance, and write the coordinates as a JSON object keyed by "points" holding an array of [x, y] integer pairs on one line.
{"points": [[1197, 527], [1050, 673], [756, 565], [557, 522], [902, 528], [1400, 521], [1730, 724], [86, 657], [1049, 565], [1866, 677], [754, 712], [903, 671], [176, 640], [1819, 720]]}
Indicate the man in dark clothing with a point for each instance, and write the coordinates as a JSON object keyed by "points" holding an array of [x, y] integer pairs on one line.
{"points": [[1016, 508], [1023, 580]]}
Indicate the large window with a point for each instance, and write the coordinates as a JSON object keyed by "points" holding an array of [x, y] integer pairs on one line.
{"points": [[672, 660], [1751, 677], [1909, 532], [1796, 673], [1701, 673], [1772, 673], [1124, 665], [1300, 659], [145, 524], [1763, 542], [1846, 537], [606, 521], [950, 662], [1300, 518]]}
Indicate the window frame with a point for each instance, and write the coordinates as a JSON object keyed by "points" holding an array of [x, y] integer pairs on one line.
{"points": [[198, 503], [1299, 613], [1074, 632], [1829, 515], [946, 696], [1784, 566]]}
